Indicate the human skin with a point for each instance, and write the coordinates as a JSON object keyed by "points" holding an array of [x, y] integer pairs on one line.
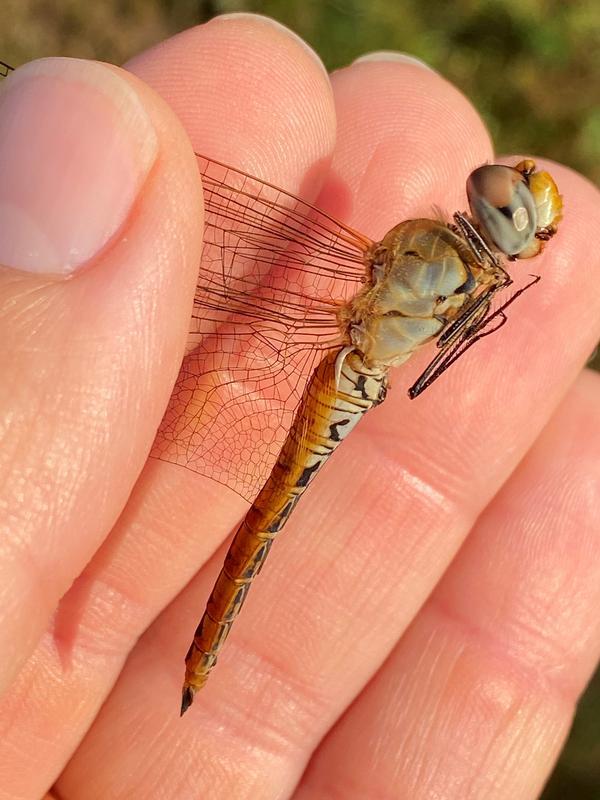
{"points": [[428, 620]]}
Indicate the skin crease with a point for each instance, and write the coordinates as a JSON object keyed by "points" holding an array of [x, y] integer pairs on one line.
{"points": [[426, 623]]}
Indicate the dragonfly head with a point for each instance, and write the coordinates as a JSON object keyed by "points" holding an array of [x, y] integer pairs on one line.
{"points": [[516, 209]]}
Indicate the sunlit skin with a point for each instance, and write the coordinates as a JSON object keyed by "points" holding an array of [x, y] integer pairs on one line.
{"points": [[358, 669]]}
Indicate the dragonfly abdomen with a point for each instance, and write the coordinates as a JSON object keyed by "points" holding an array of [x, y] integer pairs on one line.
{"points": [[340, 391]]}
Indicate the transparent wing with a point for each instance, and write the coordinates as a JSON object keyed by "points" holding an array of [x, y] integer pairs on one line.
{"points": [[274, 273]]}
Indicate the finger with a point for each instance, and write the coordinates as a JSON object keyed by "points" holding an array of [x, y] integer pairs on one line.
{"points": [[97, 186], [405, 153], [491, 669], [169, 526], [270, 106], [278, 685]]}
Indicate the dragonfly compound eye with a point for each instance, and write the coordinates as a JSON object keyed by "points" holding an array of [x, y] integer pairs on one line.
{"points": [[503, 207]]}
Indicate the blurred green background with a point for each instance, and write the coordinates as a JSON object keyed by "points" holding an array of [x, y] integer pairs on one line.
{"points": [[531, 67]]}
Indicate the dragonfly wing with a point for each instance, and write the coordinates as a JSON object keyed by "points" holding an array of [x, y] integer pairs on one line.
{"points": [[274, 272]]}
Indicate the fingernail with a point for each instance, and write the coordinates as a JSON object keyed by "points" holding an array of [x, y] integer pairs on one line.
{"points": [[392, 55], [76, 146]]}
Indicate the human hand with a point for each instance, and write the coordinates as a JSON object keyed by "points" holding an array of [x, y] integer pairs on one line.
{"points": [[375, 657]]}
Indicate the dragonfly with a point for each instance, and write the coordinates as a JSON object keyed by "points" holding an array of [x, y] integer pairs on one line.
{"points": [[298, 320]]}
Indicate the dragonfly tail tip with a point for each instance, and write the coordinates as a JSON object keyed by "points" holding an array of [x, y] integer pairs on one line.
{"points": [[187, 698]]}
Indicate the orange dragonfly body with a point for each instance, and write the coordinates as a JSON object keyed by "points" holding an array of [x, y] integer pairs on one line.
{"points": [[297, 321]]}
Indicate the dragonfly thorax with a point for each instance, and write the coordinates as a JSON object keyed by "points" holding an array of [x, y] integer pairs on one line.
{"points": [[421, 275]]}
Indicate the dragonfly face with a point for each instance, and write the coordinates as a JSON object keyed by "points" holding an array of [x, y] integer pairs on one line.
{"points": [[503, 206], [514, 205]]}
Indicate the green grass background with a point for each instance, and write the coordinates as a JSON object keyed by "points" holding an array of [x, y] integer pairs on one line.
{"points": [[531, 67]]}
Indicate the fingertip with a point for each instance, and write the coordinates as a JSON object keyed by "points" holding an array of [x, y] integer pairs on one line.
{"points": [[407, 140], [393, 55], [278, 32], [77, 147], [250, 94]]}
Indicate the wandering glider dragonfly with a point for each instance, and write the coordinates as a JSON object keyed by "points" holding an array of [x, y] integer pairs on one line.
{"points": [[297, 321]]}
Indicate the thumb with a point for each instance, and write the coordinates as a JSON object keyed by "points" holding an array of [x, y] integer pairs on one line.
{"points": [[100, 215]]}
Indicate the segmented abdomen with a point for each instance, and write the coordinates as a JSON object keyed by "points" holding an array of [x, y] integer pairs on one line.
{"points": [[340, 391]]}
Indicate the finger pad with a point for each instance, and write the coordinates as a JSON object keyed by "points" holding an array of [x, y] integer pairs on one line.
{"points": [[249, 93]]}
